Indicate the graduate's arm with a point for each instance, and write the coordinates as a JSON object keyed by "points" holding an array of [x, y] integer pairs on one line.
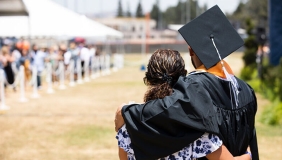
{"points": [[122, 154], [184, 91], [222, 153]]}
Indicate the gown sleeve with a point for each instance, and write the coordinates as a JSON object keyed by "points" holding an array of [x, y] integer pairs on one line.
{"points": [[177, 119]]}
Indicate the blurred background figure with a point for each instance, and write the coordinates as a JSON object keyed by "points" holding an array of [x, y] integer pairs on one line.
{"points": [[62, 57], [25, 61], [92, 50], [6, 60], [53, 58], [92, 54], [17, 55], [38, 60], [84, 56], [72, 54]]}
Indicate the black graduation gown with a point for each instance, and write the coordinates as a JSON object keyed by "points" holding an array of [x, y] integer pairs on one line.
{"points": [[200, 103]]}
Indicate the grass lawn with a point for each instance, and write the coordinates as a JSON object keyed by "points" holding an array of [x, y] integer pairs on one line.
{"points": [[77, 123]]}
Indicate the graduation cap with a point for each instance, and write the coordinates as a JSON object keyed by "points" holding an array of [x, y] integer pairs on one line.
{"points": [[211, 36]]}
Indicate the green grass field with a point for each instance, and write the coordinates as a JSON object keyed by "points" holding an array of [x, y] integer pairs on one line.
{"points": [[78, 123]]}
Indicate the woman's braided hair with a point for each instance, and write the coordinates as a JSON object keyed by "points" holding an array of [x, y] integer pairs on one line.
{"points": [[164, 68]]}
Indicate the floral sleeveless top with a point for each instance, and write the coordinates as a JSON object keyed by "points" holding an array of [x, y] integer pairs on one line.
{"points": [[204, 145]]}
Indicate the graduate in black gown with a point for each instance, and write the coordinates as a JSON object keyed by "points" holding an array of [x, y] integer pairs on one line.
{"points": [[211, 99]]}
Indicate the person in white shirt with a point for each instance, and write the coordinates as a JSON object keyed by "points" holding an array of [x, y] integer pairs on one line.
{"points": [[84, 57], [38, 61]]}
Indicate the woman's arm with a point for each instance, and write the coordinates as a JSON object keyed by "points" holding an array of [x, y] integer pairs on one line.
{"points": [[122, 154], [222, 153], [119, 121]]}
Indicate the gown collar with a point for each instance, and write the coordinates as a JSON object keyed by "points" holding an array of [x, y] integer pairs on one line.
{"points": [[217, 69]]}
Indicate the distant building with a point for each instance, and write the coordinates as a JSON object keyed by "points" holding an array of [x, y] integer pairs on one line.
{"points": [[136, 29]]}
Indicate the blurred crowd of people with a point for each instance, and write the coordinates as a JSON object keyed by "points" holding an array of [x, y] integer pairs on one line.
{"points": [[14, 55]]}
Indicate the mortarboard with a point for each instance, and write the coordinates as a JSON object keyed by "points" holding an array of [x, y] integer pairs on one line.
{"points": [[211, 36]]}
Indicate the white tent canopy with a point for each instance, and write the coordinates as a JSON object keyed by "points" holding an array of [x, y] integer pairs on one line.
{"points": [[48, 19], [16, 26], [12, 8]]}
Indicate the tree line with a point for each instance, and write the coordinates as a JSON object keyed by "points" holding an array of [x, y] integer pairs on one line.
{"points": [[186, 10], [179, 14], [255, 10]]}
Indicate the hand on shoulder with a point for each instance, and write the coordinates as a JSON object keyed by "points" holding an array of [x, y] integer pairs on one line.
{"points": [[119, 121]]}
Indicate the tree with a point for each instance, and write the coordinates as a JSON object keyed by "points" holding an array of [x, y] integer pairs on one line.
{"points": [[170, 15], [194, 9], [178, 14], [179, 11], [240, 9], [156, 13], [139, 10], [253, 9], [128, 13], [120, 11], [205, 7], [249, 57], [258, 11]]}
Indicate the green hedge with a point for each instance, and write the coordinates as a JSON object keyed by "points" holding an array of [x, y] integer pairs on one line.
{"points": [[273, 114], [270, 82], [248, 72], [270, 86]]}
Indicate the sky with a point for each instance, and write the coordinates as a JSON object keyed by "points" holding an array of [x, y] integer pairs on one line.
{"points": [[110, 6]]}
